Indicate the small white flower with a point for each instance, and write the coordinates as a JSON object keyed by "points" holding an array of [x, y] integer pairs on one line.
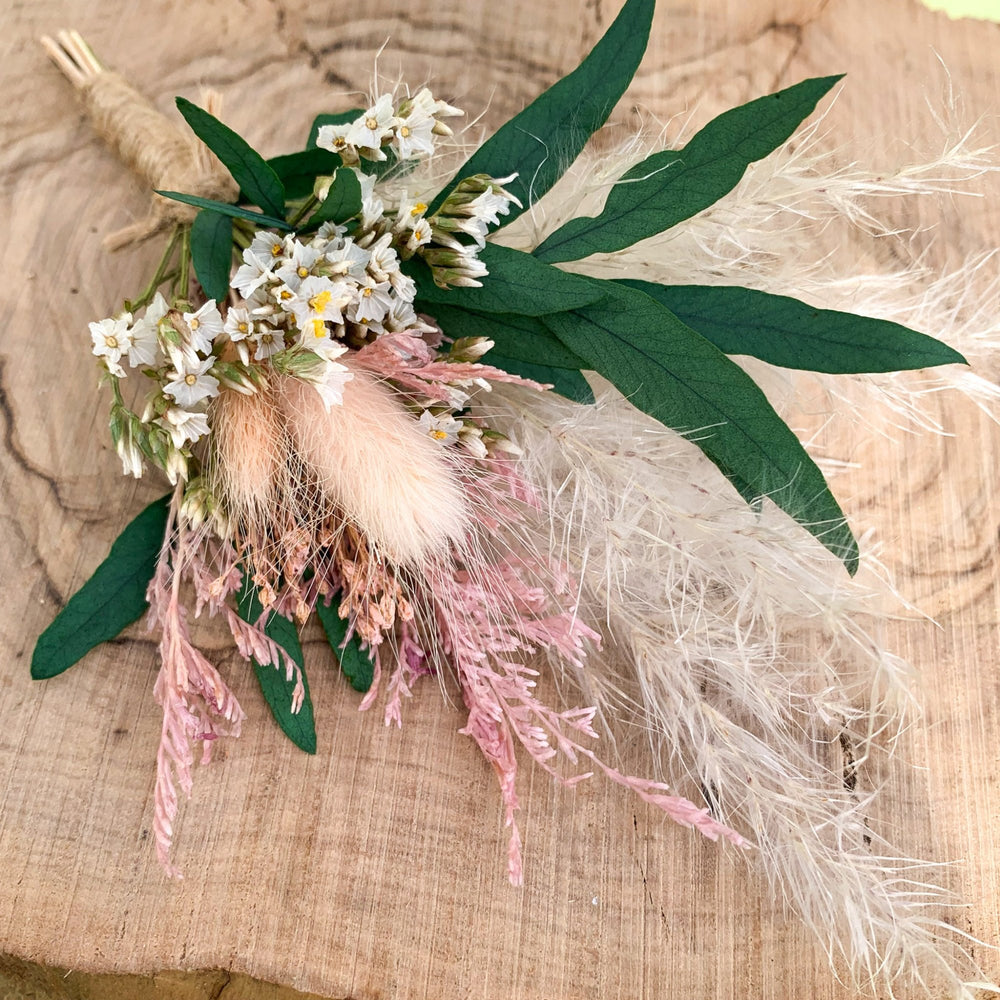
{"points": [[443, 429], [112, 338], [300, 263], [145, 348], [372, 207], [471, 437], [409, 214], [205, 325], [269, 247], [413, 135], [374, 299], [329, 231], [420, 236], [267, 341], [239, 324], [192, 384], [131, 456], [425, 106], [252, 274], [401, 316], [368, 131], [384, 261], [329, 381], [318, 301], [184, 425], [348, 259], [333, 137], [490, 205], [176, 467]]}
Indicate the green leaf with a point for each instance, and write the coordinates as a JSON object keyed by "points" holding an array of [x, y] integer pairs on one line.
{"points": [[783, 331], [343, 200], [340, 118], [113, 598], [299, 726], [249, 169], [568, 382], [298, 171], [224, 208], [548, 135], [212, 252], [672, 373], [524, 346], [673, 185], [354, 661], [516, 280], [524, 337]]}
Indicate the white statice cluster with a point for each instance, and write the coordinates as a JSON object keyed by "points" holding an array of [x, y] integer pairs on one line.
{"points": [[407, 129], [311, 302], [450, 240], [302, 302], [180, 352]]}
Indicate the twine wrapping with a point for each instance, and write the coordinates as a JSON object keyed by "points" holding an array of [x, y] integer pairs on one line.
{"points": [[148, 142]]}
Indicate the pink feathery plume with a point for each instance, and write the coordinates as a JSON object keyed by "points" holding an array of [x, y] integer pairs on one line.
{"points": [[197, 704], [409, 361]]}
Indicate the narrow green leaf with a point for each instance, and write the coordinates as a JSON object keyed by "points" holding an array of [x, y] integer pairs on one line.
{"points": [[298, 171], [354, 661], [671, 372], [568, 382], [212, 252], [548, 135], [342, 202], [224, 208], [299, 726], [783, 331], [516, 280], [249, 169], [673, 185], [340, 118], [113, 598], [524, 346], [523, 337]]}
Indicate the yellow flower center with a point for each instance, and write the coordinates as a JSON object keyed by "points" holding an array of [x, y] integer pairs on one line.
{"points": [[303, 272], [267, 338], [243, 327], [195, 323], [367, 293], [371, 123], [111, 342], [320, 301], [276, 249], [404, 131], [340, 142], [190, 379], [285, 294], [439, 435], [319, 329], [418, 209]]}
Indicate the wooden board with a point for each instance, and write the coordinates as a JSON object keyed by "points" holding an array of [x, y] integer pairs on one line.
{"points": [[376, 868]]}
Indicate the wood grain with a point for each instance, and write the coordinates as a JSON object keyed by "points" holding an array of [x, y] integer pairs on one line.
{"points": [[376, 868]]}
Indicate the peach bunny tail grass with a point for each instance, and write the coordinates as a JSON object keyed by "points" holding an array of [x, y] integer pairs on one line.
{"points": [[245, 464], [371, 461]]}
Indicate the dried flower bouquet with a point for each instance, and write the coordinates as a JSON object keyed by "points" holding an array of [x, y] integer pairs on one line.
{"points": [[371, 410]]}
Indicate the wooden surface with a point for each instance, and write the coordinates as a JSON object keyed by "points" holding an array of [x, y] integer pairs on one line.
{"points": [[376, 868]]}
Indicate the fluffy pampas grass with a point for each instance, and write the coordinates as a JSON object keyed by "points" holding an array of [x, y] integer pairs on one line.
{"points": [[736, 648]]}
